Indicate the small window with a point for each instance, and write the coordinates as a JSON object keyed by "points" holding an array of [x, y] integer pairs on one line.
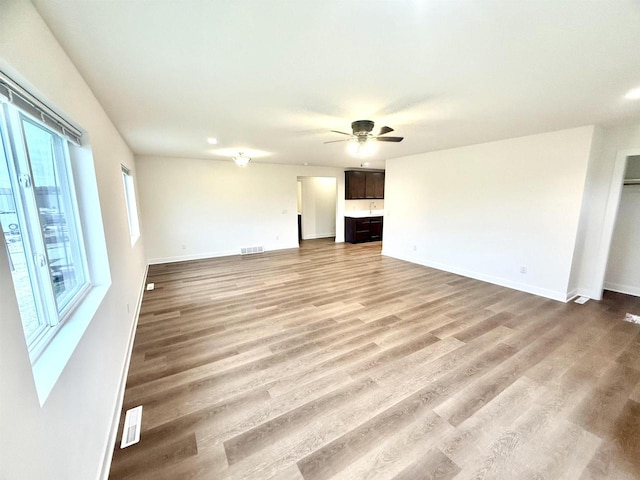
{"points": [[132, 207], [40, 222]]}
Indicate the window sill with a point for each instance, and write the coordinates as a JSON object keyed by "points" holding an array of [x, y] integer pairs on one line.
{"points": [[52, 361]]}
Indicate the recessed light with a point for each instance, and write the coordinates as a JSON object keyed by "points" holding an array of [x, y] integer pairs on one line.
{"points": [[212, 141], [633, 94]]}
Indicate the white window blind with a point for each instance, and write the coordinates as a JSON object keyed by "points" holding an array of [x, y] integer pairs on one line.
{"points": [[21, 98]]}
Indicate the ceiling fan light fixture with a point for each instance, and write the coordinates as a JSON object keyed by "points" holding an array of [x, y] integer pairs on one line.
{"points": [[361, 149], [241, 160]]}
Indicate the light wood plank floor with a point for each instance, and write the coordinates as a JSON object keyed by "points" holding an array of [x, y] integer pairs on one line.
{"points": [[333, 361]]}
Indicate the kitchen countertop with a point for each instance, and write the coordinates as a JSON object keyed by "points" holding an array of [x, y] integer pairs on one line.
{"points": [[364, 213]]}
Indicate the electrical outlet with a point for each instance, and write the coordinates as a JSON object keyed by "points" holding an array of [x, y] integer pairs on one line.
{"points": [[183, 246], [277, 237], [523, 269], [415, 248]]}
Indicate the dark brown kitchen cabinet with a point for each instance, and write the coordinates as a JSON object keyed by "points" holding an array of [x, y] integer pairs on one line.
{"points": [[363, 185], [375, 228], [374, 185], [365, 229], [354, 185]]}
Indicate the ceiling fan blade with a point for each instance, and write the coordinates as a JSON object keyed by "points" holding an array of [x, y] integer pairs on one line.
{"points": [[335, 141], [389, 139], [341, 133], [384, 130]]}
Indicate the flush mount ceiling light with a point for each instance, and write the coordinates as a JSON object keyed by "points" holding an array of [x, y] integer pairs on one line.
{"points": [[633, 94], [241, 160], [212, 141]]}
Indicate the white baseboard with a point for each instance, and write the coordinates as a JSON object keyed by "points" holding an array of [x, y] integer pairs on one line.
{"points": [[205, 255], [583, 292], [195, 256], [318, 235], [621, 288], [115, 422], [593, 295], [572, 295], [503, 282]]}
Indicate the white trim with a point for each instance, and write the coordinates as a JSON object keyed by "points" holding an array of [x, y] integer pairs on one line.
{"points": [[115, 422], [203, 256], [574, 294], [523, 287], [585, 292], [620, 288], [611, 214], [318, 235], [48, 367]]}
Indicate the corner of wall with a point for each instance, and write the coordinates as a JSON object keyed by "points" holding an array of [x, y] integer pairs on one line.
{"points": [[576, 277], [601, 188]]}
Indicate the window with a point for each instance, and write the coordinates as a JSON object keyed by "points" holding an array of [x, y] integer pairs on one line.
{"points": [[132, 208], [52, 227], [40, 221]]}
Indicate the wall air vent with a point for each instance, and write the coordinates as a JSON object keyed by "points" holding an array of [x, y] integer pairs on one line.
{"points": [[251, 250]]}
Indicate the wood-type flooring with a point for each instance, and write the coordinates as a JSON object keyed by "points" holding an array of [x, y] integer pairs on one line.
{"points": [[333, 361]]}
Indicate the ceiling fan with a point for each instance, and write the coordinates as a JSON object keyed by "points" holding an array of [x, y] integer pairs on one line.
{"points": [[362, 133]]}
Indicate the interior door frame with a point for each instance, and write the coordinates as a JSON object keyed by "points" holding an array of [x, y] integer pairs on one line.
{"points": [[611, 215]]}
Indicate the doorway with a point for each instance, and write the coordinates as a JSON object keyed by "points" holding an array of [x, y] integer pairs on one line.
{"points": [[623, 265], [316, 207]]}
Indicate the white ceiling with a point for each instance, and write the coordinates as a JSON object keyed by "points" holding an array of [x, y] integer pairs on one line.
{"points": [[276, 76]]}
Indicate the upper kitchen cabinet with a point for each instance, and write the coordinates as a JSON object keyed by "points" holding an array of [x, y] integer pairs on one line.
{"points": [[374, 185], [354, 185], [363, 185]]}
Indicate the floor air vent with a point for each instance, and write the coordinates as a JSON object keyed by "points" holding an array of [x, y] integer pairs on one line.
{"points": [[630, 317], [251, 250], [132, 427]]}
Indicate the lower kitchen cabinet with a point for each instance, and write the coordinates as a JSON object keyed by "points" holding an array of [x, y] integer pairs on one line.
{"points": [[364, 229]]}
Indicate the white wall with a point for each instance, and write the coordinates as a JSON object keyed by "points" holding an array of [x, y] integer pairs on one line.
{"points": [[598, 209], [206, 208], [318, 207], [574, 288], [623, 269], [67, 437], [486, 210], [363, 205]]}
